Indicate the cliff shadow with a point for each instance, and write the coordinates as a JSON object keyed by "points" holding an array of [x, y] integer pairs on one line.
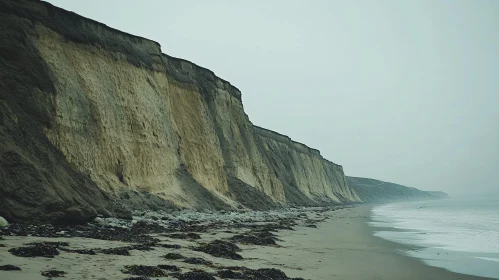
{"points": [[202, 197], [249, 196], [36, 180]]}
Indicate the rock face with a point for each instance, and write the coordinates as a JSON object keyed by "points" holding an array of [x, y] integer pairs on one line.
{"points": [[306, 176], [371, 190], [97, 121]]}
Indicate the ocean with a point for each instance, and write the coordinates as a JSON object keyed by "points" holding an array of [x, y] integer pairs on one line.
{"points": [[460, 235]]}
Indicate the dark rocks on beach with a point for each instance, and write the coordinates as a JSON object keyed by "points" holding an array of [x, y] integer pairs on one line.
{"points": [[170, 246], [263, 238], [37, 250], [53, 273], [237, 268], [144, 270], [173, 256], [311, 226], [271, 273], [116, 234], [253, 274], [229, 274], [2, 245], [189, 235], [169, 267], [121, 251], [197, 261], [143, 227], [23, 229], [222, 249], [78, 251], [49, 243], [175, 275], [138, 278], [195, 275], [90, 230], [10, 267], [140, 247]]}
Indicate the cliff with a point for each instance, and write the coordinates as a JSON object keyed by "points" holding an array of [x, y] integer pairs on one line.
{"points": [[97, 121], [371, 190], [306, 176]]}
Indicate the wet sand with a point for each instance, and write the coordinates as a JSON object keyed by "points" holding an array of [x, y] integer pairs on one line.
{"points": [[341, 247]]}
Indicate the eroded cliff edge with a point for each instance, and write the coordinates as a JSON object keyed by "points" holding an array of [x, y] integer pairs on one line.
{"points": [[97, 121]]}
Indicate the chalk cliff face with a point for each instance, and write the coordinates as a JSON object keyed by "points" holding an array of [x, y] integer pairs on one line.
{"points": [[94, 120], [307, 177]]}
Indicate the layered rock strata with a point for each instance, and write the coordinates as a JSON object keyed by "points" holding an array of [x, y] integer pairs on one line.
{"points": [[97, 121]]}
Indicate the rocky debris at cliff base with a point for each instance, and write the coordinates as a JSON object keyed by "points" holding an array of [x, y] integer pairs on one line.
{"points": [[221, 249], [37, 250], [95, 231], [187, 226], [144, 270], [261, 225], [147, 227], [182, 224], [53, 273], [9, 267]]}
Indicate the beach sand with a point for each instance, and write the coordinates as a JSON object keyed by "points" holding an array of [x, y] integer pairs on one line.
{"points": [[341, 247]]}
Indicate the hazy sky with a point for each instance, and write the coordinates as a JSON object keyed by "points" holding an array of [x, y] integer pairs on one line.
{"points": [[402, 91]]}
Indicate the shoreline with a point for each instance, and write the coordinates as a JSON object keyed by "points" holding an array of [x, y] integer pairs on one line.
{"points": [[350, 252], [403, 248], [301, 243]]}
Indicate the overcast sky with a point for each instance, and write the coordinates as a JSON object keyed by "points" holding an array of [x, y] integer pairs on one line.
{"points": [[402, 91]]}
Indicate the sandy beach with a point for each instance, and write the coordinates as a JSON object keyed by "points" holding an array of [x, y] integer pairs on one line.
{"points": [[341, 247]]}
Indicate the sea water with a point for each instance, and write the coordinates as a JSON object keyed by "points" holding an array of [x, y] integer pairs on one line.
{"points": [[461, 235]]}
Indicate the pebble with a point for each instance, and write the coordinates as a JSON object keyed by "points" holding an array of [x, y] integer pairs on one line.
{"points": [[3, 222]]}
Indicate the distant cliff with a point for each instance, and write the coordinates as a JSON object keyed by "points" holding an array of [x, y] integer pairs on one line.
{"points": [[97, 121], [371, 190]]}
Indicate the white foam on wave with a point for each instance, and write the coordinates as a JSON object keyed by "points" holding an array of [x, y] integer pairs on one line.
{"points": [[488, 259], [460, 236], [453, 229]]}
